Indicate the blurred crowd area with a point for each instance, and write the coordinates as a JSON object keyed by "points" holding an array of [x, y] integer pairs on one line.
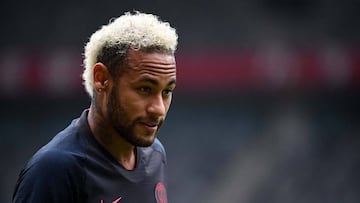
{"points": [[267, 101]]}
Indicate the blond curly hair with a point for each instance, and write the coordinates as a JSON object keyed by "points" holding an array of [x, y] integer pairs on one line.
{"points": [[139, 31]]}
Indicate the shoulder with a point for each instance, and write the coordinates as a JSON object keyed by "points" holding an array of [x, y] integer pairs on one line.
{"points": [[155, 153], [53, 165], [158, 147], [56, 171], [64, 154], [50, 174], [55, 159]]}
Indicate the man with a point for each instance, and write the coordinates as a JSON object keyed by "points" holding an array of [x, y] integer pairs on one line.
{"points": [[111, 153]]}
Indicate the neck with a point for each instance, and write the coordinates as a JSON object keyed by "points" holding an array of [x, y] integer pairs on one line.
{"points": [[116, 145]]}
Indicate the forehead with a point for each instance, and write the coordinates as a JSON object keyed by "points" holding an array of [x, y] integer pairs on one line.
{"points": [[136, 59], [154, 64]]}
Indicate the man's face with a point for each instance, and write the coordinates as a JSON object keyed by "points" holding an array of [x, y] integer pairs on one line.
{"points": [[141, 97]]}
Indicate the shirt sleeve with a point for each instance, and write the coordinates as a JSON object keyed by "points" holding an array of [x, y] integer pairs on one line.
{"points": [[50, 177]]}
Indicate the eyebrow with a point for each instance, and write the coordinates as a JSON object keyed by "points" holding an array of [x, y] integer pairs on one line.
{"points": [[155, 82]]}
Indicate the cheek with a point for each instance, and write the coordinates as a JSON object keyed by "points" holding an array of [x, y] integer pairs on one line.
{"points": [[133, 105]]}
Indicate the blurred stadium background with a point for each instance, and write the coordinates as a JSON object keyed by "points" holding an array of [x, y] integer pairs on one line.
{"points": [[266, 108]]}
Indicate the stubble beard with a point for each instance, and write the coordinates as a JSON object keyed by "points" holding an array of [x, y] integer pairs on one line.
{"points": [[120, 121]]}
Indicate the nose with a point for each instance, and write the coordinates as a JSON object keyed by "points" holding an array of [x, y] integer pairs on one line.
{"points": [[157, 106]]}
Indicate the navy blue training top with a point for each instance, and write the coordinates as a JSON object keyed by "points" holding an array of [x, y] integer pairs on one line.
{"points": [[74, 168]]}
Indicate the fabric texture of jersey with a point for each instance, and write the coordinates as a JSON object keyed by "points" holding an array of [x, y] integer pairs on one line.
{"points": [[74, 168]]}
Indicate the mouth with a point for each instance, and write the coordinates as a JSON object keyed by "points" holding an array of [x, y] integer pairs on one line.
{"points": [[150, 126]]}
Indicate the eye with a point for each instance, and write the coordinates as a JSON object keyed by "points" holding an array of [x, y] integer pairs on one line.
{"points": [[144, 89], [168, 92]]}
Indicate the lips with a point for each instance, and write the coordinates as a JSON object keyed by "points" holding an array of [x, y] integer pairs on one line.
{"points": [[151, 126]]}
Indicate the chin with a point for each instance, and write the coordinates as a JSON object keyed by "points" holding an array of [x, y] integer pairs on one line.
{"points": [[143, 142]]}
